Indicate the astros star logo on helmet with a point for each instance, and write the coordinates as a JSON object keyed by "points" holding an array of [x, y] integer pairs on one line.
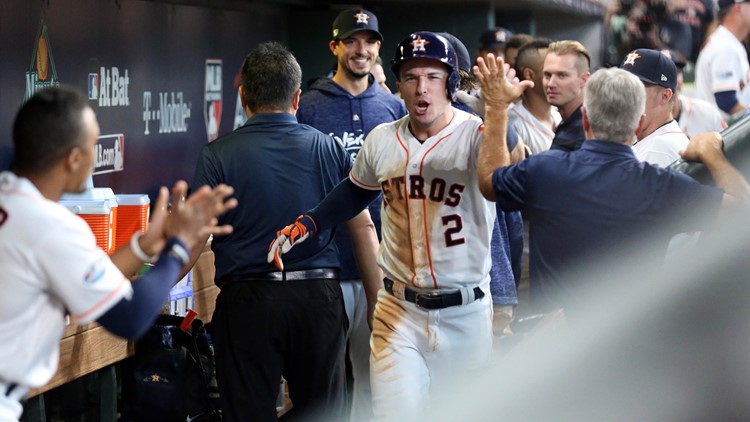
{"points": [[631, 58], [419, 44], [362, 17]]}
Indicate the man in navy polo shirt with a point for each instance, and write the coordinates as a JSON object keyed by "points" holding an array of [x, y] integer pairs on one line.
{"points": [[594, 199], [268, 322], [565, 71]]}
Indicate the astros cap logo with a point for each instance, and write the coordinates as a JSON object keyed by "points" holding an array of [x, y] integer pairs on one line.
{"points": [[362, 17], [419, 44], [631, 58]]}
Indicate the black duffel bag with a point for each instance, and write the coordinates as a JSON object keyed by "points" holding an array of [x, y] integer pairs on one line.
{"points": [[168, 377]]}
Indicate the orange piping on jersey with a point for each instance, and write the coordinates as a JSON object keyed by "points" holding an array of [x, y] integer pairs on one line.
{"points": [[545, 131], [104, 301], [424, 212], [673, 131], [373, 187], [406, 202]]}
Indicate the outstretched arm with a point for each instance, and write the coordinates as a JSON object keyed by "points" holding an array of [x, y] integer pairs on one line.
{"points": [[171, 235], [498, 91], [707, 148], [344, 202]]}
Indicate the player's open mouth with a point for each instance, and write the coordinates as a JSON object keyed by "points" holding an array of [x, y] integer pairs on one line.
{"points": [[422, 106]]}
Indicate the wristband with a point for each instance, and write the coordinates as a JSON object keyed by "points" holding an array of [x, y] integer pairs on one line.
{"points": [[177, 250], [136, 248]]}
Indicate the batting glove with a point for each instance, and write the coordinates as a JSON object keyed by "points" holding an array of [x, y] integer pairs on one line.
{"points": [[289, 236]]}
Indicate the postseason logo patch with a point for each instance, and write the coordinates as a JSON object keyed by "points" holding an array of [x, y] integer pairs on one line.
{"points": [[95, 273]]}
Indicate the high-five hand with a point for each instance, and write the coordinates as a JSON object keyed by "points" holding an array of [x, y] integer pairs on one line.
{"points": [[498, 80]]}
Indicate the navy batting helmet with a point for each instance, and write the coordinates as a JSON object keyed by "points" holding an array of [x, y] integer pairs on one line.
{"points": [[428, 45]]}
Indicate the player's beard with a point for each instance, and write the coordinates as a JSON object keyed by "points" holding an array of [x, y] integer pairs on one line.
{"points": [[352, 72]]}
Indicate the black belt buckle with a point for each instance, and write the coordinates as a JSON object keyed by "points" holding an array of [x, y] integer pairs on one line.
{"points": [[437, 300], [428, 301]]}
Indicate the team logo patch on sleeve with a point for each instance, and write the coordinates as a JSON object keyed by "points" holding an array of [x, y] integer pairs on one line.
{"points": [[95, 273]]}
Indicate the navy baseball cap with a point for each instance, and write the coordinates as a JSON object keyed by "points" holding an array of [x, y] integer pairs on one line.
{"points": [[651, 66], [354, 20], [727, 3], [464, 60], [494, 38]]}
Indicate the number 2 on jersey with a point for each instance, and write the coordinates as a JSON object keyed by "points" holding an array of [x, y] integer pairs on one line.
{"points": [[454, 225]]}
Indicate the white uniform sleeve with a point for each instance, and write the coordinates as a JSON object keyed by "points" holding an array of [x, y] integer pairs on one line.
{"points": [[726, 72], [363, 173], [80, 273]]}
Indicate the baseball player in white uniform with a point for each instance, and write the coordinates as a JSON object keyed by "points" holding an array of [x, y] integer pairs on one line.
{"points": [[722, 72], [698, 116], [51, 263], [692, 114], [537, 132], [536, 135], [434, 314], [660, 139]]}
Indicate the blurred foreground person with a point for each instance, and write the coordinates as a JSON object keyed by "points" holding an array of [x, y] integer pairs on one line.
{"points": [[51, 261]]}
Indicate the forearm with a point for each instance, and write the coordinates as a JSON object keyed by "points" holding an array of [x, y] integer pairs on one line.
{"points": [[342, 204], [727, 177], [195, 253], [365, 244], [130, 318], [126, 260], [493, 150]]}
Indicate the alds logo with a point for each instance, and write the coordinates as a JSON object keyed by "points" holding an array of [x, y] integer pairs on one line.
{"points": [[42, 72]]}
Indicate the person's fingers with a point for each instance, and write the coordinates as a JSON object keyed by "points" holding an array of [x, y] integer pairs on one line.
{"points": [[216, 231], [491, 63], [179, 191], [160, 207], [526, 84]]}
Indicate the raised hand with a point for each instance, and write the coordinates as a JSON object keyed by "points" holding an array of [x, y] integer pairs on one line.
{"points": [[194, 218], [498, 80]]}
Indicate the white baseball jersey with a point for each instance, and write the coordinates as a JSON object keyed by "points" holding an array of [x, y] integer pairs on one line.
{"points": [[722, 66], [51, 266], [663, 146], [431, 193], [698, 116], [535, 134]]}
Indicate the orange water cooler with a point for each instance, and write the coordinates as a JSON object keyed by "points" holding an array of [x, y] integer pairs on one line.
{"points": [[98, 207], [132, 216]]}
